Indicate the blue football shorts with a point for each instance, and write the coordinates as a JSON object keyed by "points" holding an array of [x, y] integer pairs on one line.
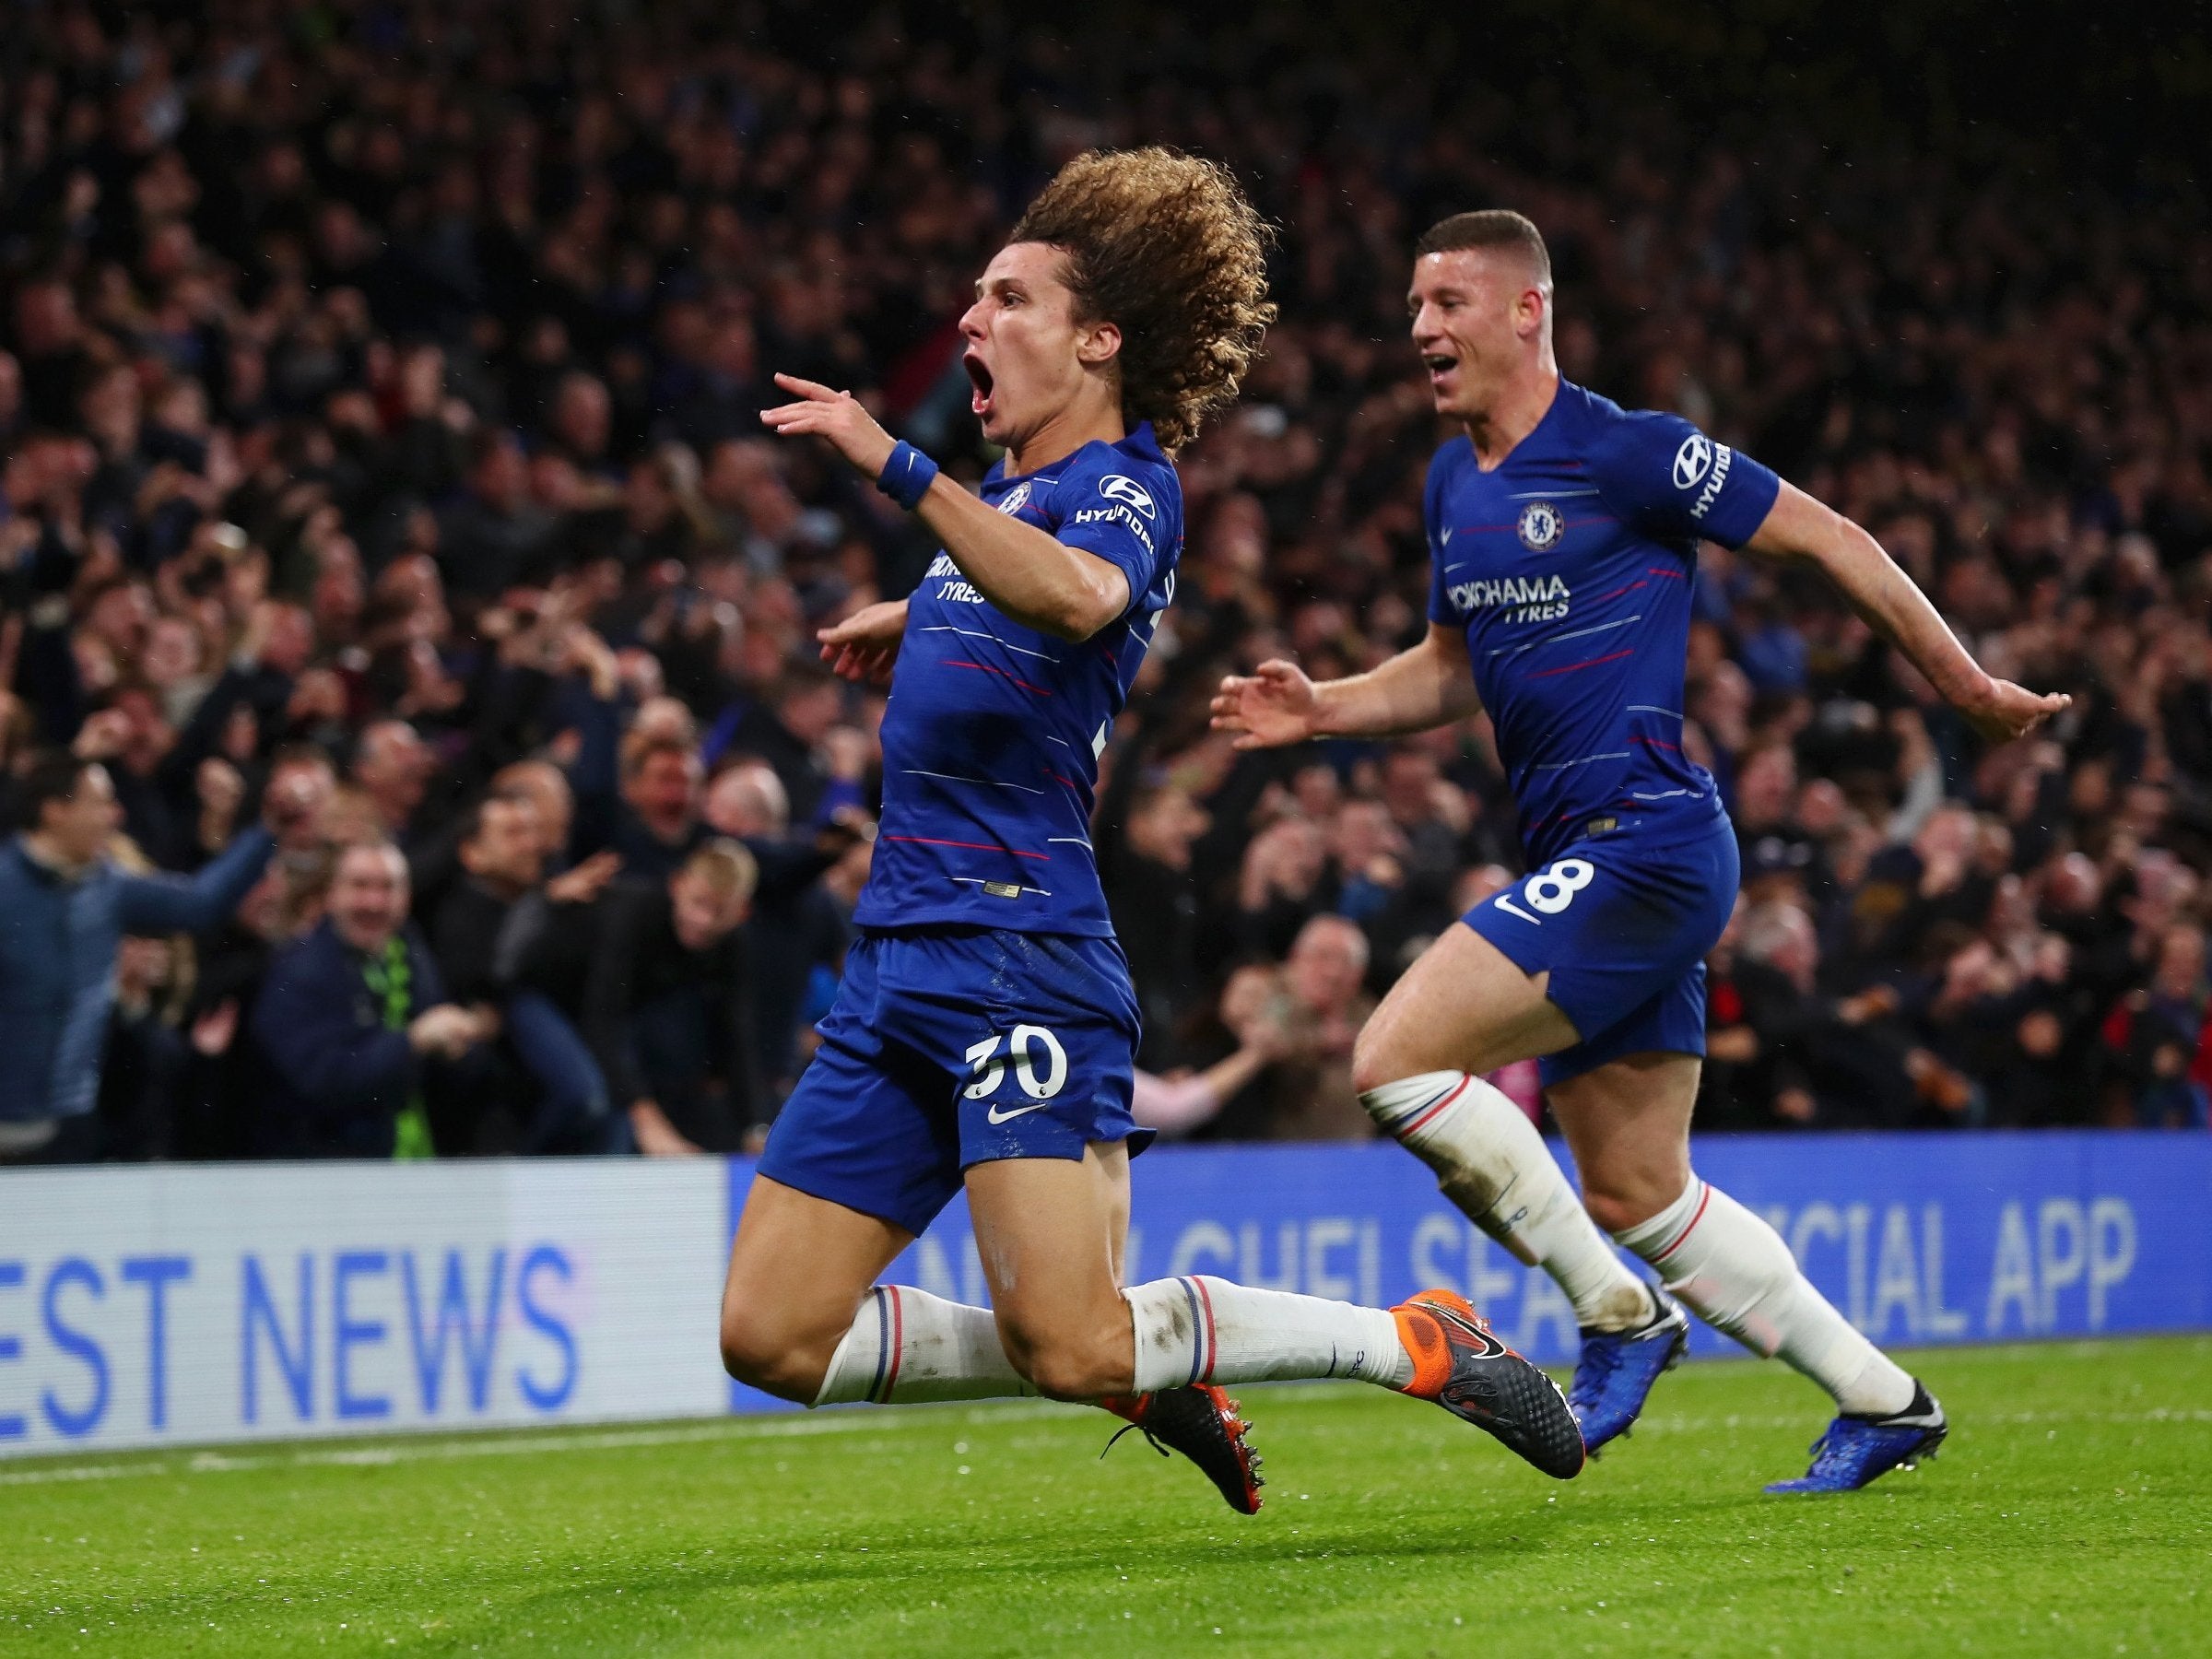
{"points": [[1622, 921], [953, 1047]]}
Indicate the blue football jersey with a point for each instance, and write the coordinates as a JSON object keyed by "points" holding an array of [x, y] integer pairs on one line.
{"points": [[992, 736], [1569, 567]]}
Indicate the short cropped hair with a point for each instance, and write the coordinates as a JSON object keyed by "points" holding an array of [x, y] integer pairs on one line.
{"points": [[52, 777], [727, 867], [1493, 229], [472, 820], [1168, 248], [637, 748], [381, 848]]}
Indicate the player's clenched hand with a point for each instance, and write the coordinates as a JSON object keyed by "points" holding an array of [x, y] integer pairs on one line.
{"points": [[836, 416], [2006, 711], [1274, 705], [862, 647]]}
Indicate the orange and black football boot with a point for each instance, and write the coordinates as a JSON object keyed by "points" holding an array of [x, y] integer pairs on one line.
{"points": [[1463, 1366], [1202, 1423]]}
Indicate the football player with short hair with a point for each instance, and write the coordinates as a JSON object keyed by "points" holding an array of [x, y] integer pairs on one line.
{"points": [[1563, 536], [984, 1032]]}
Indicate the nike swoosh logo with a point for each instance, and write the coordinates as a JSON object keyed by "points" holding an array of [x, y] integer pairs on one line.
{"points": [[996, 1116], [1474, 1333]]}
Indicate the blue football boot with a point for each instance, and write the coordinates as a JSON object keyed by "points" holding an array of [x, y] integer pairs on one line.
{"points": [[1615, 1374], [1856, 1450]]}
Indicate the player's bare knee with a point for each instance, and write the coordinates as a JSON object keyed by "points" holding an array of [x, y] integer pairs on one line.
{"points": [[760, 1354], [1620, 1199], [1073, 1372], [1064, 1363], [1376, 1059], [1614, 1213]]}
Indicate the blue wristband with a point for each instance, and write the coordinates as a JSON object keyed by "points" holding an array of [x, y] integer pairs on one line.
{"points": [[907, 475]]}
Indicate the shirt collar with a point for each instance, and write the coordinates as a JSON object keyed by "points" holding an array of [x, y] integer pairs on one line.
{"points": [[1143, 441], [47, 869], [1139, 441]]}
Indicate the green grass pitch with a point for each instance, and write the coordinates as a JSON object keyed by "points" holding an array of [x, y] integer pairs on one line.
{"points": [[2071, 1514]]}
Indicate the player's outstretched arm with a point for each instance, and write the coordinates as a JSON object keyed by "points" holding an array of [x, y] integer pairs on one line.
{"points": [[1797, 526], [1039, 581], [1276, 704]]}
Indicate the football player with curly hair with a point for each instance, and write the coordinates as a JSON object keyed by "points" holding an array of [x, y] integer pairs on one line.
{"points": [[984, 1032]]}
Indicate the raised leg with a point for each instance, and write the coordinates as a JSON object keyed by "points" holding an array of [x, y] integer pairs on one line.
{"points": [[1628, 1123], [1465, 1008]]}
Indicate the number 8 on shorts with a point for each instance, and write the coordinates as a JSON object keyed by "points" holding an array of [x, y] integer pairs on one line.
{"points": [[1552, 890]]}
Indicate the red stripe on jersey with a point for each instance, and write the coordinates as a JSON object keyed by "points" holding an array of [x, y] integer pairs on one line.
{"points": [[1618, 591], [1656, 743], [1594, 662], [958, 663], [931, 841], [1670, 575]]}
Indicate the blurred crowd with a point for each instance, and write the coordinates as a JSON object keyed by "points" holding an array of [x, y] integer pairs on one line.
{"points": [[378, 399]]}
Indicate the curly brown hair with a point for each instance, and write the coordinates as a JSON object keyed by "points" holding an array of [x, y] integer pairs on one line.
{"points": [[1168, 247]]}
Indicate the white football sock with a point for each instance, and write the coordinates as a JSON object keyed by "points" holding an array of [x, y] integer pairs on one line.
{"points": [[907, 1345], [1491, 1161], [1738, 1275], [1207, 1329]]}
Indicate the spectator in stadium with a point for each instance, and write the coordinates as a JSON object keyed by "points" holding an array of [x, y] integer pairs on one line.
{"points": [[144, 1058], [501, 856], [393, 767], [1285, 880], [362, 1047], [668, 1008], [64, 907], [1143, 842], [2158, 1033], [1258, 1017], [790, 733], [657, 824], [1299, 1018], [224, 1078], [543, 1067], [1323, 975], [796, 934], [491, 539], [251, 437]]}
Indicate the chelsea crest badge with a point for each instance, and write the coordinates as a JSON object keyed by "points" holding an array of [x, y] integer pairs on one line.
{"points": [[1541, 526]]}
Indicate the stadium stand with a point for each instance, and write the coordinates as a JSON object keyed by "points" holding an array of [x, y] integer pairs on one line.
{"points": [[380, 381]]}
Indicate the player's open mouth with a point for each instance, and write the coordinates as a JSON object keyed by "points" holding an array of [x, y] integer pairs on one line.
{"points": [[1439, 365], [979, 377]]}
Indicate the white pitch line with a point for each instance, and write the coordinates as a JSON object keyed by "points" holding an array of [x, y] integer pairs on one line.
{"points": [[495, 1445], [78, 1472], [223, 1462], [861, 1422]]}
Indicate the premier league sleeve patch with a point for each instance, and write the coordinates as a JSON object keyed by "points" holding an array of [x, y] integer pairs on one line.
{"points": [[1541, 526]]}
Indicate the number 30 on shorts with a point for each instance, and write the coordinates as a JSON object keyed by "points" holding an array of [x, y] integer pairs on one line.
{"points": [[1029, 1047], [1550, 890]]}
